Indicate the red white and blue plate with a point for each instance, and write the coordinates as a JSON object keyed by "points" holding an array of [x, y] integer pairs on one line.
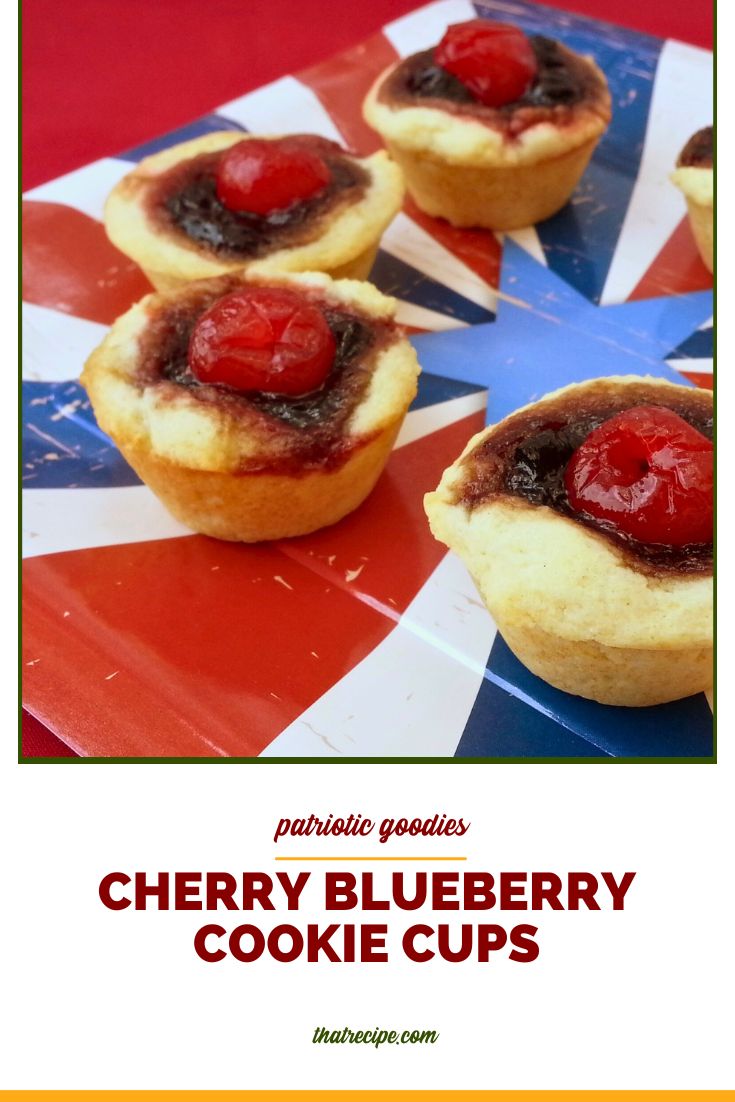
{"points": [[366, 639]]}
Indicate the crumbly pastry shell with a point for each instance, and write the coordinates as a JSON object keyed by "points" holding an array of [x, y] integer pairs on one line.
{"points": [[345, 247], [223, 474], [569, 604]]}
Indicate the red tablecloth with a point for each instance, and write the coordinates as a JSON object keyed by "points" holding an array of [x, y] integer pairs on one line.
{"points": [[101, 77]]}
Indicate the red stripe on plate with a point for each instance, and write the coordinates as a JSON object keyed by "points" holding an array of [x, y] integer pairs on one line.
{"points": [[69, 265], [677, 269], [341, 84], [479, 249], [193, 648], [385, 551], [699, 378]]}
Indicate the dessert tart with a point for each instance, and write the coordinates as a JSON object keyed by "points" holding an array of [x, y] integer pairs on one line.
{"points": [[586, 522], [256, 407], [695, 176], [491, 128], [228, 201]]}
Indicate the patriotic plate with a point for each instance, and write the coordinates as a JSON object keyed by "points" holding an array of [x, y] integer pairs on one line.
{"points": [[365, 639]]}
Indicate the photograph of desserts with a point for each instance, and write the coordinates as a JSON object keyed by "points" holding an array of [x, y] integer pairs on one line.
{"points": [[369, 415]]}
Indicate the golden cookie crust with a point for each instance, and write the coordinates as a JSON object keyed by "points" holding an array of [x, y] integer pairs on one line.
{"points": [[346, 247], [218, 471], [696, 183], [569, 604], [697, 186]]}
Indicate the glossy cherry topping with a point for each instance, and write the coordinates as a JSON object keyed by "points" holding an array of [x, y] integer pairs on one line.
{"points": [[261, 176], [495, 61], [266, 339], [648, 473]]}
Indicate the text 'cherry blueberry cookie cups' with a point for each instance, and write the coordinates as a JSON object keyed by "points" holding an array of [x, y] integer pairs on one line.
{"points": [[230, 201], [491, 128], [256, 408], [585, 520], [694, 175]]}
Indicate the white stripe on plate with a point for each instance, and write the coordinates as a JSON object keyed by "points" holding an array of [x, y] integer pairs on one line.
{"points": [[71, 520], [529, 240], [412, 695], [55, 345], [423, 28], [281, 107], [680, 105], [85, 189], [696, 367], [410, 243], [421, 422], [420, 317]]}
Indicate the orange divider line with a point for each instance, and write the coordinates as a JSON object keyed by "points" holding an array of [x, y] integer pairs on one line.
{"points": [[371, 858], [367, 1095]]}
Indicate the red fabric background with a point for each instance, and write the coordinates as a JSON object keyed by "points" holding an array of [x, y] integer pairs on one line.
{"points": [[99, 77]]}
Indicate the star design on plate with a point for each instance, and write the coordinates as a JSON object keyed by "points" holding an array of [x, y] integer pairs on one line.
{"points": [[548, 335]]}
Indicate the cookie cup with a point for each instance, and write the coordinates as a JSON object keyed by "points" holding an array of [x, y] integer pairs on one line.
{"points": [[570, 604], [226, 475], [459, 168], [344, 246], [697, 186]]}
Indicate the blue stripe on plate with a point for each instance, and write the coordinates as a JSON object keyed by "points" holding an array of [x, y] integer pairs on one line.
{"points": [[434, 389], [699, 346], [551, 336], [395, 277], [207, 124], [63, 446], [580, 241], [516, 714]]}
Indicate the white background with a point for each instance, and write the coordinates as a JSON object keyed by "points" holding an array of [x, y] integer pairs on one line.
{"points": [[638, 999], [615, 999]]}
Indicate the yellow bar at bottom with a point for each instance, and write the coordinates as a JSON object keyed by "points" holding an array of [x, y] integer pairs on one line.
{"points": [[369, 1095]]}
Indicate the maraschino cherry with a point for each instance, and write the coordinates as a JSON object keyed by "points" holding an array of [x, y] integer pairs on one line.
{"points": [[648, 473], [267, 339], [494, 60], [261, 176]]}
